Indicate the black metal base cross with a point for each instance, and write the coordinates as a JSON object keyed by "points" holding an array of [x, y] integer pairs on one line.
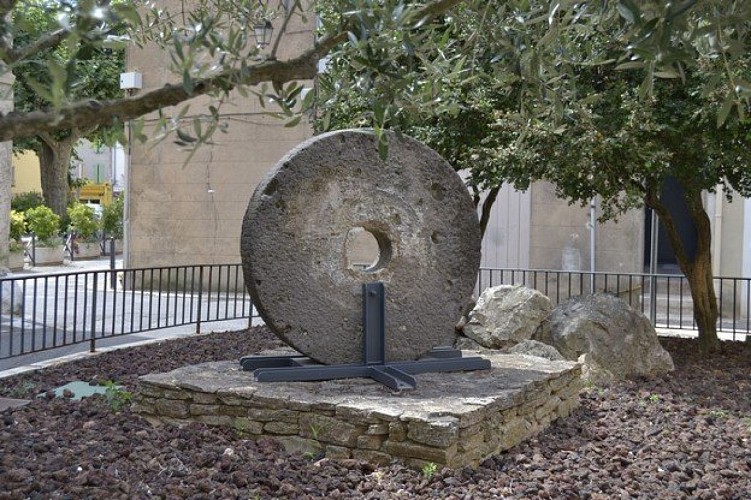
{"points": [[397, 375]]}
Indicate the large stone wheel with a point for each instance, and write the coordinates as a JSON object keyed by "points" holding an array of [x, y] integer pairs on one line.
{"points": [[301, 220]]}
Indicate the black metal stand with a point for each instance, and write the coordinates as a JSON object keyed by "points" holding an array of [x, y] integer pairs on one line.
{"points": [[395, 375]]}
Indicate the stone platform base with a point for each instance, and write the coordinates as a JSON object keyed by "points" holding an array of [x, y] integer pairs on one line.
{"points": [[452, 419]]}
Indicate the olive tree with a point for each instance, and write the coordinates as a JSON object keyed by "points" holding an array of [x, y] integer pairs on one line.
{"points": [[608, 99], [535, 54]]}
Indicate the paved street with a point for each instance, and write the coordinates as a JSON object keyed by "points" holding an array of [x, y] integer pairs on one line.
{"points": [[63, 308]]}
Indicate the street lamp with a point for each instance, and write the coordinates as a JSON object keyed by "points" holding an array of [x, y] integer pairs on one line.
{"points": [[262, 32]]}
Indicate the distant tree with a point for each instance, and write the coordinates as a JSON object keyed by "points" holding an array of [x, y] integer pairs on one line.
{"points": [[83, 70]]}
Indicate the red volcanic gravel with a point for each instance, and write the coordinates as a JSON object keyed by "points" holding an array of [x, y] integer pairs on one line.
{"points": [[685, 435]]}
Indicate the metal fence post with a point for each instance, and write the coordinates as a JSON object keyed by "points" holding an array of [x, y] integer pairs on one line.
{"points": [[92, 341], [653, 256], [113, 275], [200, 296]]}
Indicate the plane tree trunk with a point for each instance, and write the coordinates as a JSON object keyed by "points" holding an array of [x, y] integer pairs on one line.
{"points": [[54, 163]]}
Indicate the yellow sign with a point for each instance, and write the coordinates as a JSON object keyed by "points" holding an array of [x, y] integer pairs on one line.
{"points": [[96, 193]]}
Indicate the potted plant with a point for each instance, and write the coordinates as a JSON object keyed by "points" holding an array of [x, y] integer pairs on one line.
{"points": [[45, 224], [83, 231], [112, 224], [15, 245]]}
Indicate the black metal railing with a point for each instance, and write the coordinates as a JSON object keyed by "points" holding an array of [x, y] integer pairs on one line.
{"points": [[55, 310], [664, 298]]}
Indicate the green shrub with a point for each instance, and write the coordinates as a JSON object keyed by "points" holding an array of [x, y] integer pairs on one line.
{"points": [[117, 397], [17, 225], [83, 220], [24, 201], [45, 223], [112, 218]]}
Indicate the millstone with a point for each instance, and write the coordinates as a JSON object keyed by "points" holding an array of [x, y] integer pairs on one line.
{"points": [[299, 226]]}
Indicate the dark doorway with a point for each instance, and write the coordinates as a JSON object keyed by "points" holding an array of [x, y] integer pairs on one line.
{"points": [[672, 197]]}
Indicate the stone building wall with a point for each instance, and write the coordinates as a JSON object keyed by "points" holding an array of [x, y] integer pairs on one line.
{"points": [[182, 210]]}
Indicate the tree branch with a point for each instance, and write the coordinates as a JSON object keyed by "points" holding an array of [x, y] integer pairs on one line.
{"points": [[92, 112], [46, 138], [6, 6], [12, 55], [98, 113], [487, 206]]}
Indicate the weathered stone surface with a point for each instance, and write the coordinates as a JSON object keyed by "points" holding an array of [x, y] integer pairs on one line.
{"points": [[298, 225], [374, 457], [281, 428], [505, 315], [414, 450], [338, 452], [440, 431], [532, 347], [618, 341], [370, 441], [12, 302], [330, 430]]}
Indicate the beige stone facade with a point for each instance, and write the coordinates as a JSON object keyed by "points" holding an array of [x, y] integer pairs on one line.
{"points": [[183, 211], [536, 230]]}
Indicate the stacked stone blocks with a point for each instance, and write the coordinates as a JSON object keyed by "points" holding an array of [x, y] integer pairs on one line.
{"points": [[443, 421]]}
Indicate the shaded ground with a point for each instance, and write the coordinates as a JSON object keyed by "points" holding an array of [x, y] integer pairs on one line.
{"points": [[684, 435]]}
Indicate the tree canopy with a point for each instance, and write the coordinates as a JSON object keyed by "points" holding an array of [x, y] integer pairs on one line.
{"points": [[213, 51], [606, 99]]}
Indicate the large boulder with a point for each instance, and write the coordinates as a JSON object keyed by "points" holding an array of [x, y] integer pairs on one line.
{"points": [[12, 295], [612, 340], [506, 315]]}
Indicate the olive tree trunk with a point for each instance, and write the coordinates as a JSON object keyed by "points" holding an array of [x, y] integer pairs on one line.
{"points": [[698, 270]]}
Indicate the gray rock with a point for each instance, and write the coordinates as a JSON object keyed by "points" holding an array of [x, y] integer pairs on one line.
{"points": [[466, 344], [505, 315], [535, 348], [612, 339], [299, 225], [12, 301]]}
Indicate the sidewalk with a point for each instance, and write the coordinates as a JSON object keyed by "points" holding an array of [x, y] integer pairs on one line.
{"points": [[43, 359]]}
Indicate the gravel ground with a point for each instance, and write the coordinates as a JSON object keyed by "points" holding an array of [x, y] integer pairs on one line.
{"points": [[687, 434]]}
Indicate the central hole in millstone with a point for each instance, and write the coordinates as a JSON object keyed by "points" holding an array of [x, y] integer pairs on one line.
{"points": [[367, 249]]}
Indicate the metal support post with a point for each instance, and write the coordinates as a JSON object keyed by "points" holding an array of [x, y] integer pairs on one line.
{"points": [[395, 375]]}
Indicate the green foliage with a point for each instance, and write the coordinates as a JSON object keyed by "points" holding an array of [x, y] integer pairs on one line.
{"points": [[117, 398], [17, 225], [719, 414], [44, 223], [112, 218], [429, 469], [83, 220], [24, 201], [399, 49]]}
